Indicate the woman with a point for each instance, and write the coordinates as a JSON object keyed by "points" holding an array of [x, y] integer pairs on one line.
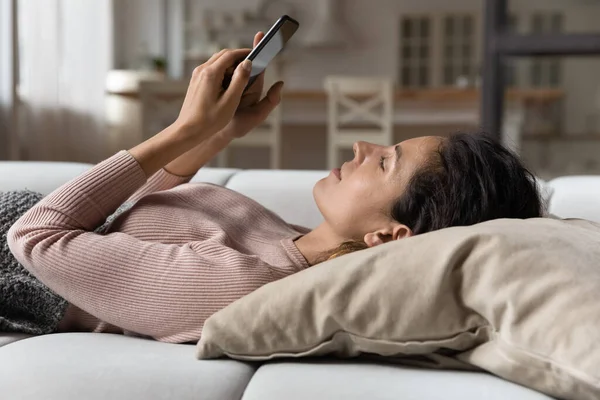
{"points": [[184, 251]]}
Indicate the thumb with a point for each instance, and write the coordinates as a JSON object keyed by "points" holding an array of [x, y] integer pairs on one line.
{"points": [[264, 107], [238, 83]]}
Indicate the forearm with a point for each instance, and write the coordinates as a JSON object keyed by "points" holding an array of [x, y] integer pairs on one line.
{"points": [[190, 162], [165, 147]]}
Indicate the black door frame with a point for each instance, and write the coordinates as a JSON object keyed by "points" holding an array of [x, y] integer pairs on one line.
{"points": [[499, 43], [9, 146]]}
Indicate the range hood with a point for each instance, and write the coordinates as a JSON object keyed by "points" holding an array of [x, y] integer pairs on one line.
{"points": [[328, 30]]}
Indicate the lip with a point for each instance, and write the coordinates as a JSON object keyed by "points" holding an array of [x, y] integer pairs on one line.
{"points": [[337, 173]]}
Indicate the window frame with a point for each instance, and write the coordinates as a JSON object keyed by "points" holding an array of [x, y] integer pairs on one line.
{"points": [[522, 68], [436, 46], [416, 42]]}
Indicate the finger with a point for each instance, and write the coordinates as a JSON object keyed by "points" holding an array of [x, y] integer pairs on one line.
{"points": [[209, 62], [212, 75], [274, 93], [257, 38], [272, 99], [229, 59], [258, 83], [215, 56], [234, 92]]}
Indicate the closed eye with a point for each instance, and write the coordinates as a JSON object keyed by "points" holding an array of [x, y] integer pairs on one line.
{"points": [[382, 162]]}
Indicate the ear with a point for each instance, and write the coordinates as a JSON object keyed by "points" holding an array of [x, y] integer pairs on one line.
{"points": [[373, 239], [401, 231], [381, 236]]}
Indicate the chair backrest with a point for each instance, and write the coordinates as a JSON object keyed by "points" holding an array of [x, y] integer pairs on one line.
{"points": [[360, 100], [355, 102], [160, 104]]}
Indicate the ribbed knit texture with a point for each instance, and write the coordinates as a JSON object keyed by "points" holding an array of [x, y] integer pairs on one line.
{"points": [[181, 253]]}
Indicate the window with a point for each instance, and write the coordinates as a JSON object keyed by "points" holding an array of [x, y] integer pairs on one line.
{"points": [[415, 54], [546, 71], [458, 48], [438, 49], [443, 49]]}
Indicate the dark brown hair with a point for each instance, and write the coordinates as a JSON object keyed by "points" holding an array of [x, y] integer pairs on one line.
{"points": [[470, 179]]}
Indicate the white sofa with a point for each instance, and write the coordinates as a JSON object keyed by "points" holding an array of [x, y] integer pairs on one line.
{"points": [[105, 366]]}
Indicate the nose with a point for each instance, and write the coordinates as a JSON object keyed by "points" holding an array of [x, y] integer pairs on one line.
{"points": [[362, 150]]}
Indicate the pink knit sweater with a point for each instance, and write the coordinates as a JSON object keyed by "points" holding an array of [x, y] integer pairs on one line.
{"points": [[183, 252]]}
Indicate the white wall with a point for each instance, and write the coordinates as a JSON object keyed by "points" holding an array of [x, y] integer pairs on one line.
{"points": [[373, 29], [373, 25]]}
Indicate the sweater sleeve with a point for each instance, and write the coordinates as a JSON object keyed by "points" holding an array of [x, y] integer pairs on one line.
{"points": [[161, 180], [162, 290]]}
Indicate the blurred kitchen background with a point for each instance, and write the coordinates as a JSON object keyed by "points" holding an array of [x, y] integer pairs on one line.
{"points": [[80, 80]]}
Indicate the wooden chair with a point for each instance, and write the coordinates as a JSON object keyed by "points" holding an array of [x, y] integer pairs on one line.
{"points": [[354, 101]]}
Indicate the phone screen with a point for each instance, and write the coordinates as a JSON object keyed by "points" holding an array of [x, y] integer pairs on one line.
{"points": [[271, 45], [264, 57]]}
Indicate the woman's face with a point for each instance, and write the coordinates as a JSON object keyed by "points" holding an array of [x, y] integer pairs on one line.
{"points": [[357, 198]]}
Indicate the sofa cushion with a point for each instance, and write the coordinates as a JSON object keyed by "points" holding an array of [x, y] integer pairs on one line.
{"points": [[105, 366], [287, 193], [7, 338], [351, 380], [492, 294]]}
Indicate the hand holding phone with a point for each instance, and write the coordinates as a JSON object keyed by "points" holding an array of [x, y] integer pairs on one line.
{"points": [[270, 45]]}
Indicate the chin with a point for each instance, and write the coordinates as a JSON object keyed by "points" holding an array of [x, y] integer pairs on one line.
{"points": [[320, 192]]}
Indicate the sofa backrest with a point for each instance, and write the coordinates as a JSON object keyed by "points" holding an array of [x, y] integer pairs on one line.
{"points": [[38, 176], [576, 197], [289, 193]]}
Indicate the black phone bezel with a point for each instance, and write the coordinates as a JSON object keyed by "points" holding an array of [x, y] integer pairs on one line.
{"points": [[269, 35], [255, 51]]}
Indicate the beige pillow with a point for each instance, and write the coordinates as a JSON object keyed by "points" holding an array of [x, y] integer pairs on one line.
{"points": [[520, 299]]}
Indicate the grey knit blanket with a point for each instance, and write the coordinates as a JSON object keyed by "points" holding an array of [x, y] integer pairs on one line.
{"points": [[26, 304]]}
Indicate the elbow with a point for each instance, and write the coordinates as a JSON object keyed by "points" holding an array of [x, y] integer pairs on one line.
{"points": [[16, 239], [29, 243], [35, 239], [12, 237]]}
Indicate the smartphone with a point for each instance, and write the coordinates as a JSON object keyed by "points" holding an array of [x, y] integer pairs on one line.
{"points": [[266, 50]]}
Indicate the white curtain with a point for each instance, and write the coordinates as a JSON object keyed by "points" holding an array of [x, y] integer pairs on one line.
{"points": [[65, 52]]}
